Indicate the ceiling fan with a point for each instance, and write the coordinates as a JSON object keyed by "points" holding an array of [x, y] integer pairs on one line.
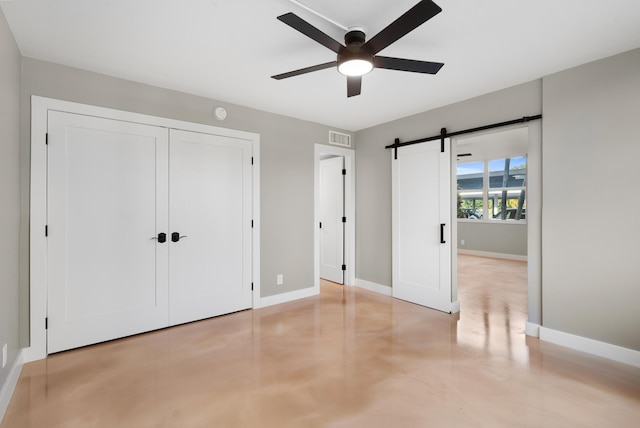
{"points": [[359, 57]]}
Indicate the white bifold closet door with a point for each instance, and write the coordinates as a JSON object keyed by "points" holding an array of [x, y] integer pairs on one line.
{"points": [[421, 225], [113, 188]]}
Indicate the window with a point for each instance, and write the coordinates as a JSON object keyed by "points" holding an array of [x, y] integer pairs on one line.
{"points": [[499, 185]]}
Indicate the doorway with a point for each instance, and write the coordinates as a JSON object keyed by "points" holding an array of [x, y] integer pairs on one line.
{"points": [[334, 239], [484, 205]]}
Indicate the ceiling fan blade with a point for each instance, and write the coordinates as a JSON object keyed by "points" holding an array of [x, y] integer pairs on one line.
{"points": [[354, 85], [413, 18], [305, 70], [402, 64], [297, 23]]}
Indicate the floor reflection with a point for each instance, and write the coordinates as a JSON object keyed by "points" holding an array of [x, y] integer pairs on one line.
{"points": [[493, 294]]}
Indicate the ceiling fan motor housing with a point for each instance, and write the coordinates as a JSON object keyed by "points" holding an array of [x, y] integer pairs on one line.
{"points": [[354, 37]]}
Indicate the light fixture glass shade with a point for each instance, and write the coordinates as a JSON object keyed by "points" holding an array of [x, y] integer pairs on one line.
{"points": [[355, 67]]}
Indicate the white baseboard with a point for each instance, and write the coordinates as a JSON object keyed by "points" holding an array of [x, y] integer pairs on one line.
{"points": [[531, 329], [493, 255], [594, 347], [372, 286], [290, 296], [10, 384], [455, 307]]}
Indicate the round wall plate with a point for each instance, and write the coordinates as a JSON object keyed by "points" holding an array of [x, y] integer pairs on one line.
{"points": [[220, 113]]}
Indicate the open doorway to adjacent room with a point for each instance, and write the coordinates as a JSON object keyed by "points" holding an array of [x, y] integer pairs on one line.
{"points": [[334, 214], [491, 177]]}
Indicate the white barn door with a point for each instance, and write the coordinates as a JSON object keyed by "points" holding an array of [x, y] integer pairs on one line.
{"points": [[331, 214], [107, 199], [210, 225], [421, 225]]}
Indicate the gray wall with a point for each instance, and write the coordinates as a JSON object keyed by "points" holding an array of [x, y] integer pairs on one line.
{"points": [[9, 194], [373, 164], [591, 150], [287, 156], [503, 238]]}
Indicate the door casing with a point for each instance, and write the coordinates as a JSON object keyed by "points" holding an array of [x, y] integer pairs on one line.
{"points": [[40, 106]]}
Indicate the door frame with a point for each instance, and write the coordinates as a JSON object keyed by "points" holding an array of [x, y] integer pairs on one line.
{"points": [[534, 221], [349, 209], [38, 202]]}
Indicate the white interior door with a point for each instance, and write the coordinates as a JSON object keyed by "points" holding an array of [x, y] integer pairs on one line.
{"points": [[210, 209], [331, 214], [107, 200], [421, 225]]}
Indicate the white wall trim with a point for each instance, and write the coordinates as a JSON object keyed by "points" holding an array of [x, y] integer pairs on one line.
{"points": [[10, 385], [372, 286], [455, 306], [590, 346], [38, 218], [350, 210], [531, 329], [493, 255], [290, 296]]}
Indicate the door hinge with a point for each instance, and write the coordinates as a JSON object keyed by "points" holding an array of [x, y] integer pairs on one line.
{"points": [[344, 267], [443, 135], [46, 138], [344, 219], [320, 225], [251, 160], [252, 286], [251, 224], [46, 323], [46, 230], [344, 171]]}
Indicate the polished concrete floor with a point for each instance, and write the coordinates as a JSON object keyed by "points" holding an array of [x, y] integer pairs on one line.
{"points": [[348, 358]]}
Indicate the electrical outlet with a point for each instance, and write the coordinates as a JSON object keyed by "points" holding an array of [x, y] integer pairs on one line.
{"points": [[462, 242], [279, 279], [4, 355]]}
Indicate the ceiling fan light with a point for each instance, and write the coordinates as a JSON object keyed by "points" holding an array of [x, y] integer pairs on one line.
{"points": [[355, 67]]}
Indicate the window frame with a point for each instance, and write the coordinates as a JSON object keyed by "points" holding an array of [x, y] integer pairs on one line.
{"points": [[486, 190]]}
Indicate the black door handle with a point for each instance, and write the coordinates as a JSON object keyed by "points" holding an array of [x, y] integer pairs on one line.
{"points": [[442, 241], [162, 237], [175, 236]]}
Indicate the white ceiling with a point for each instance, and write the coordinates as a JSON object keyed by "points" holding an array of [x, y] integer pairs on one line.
{"points": [[228, 49]]}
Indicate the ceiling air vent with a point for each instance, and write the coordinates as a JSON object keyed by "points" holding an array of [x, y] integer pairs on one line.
{"points": [[339, 139]]}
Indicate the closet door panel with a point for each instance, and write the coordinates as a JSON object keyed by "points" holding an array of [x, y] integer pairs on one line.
{"points": [[107, 199], [210, 211]]}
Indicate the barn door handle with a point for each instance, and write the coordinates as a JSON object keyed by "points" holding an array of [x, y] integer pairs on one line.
{"points": [[442, 241], [162, 237], [175, 236]]}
